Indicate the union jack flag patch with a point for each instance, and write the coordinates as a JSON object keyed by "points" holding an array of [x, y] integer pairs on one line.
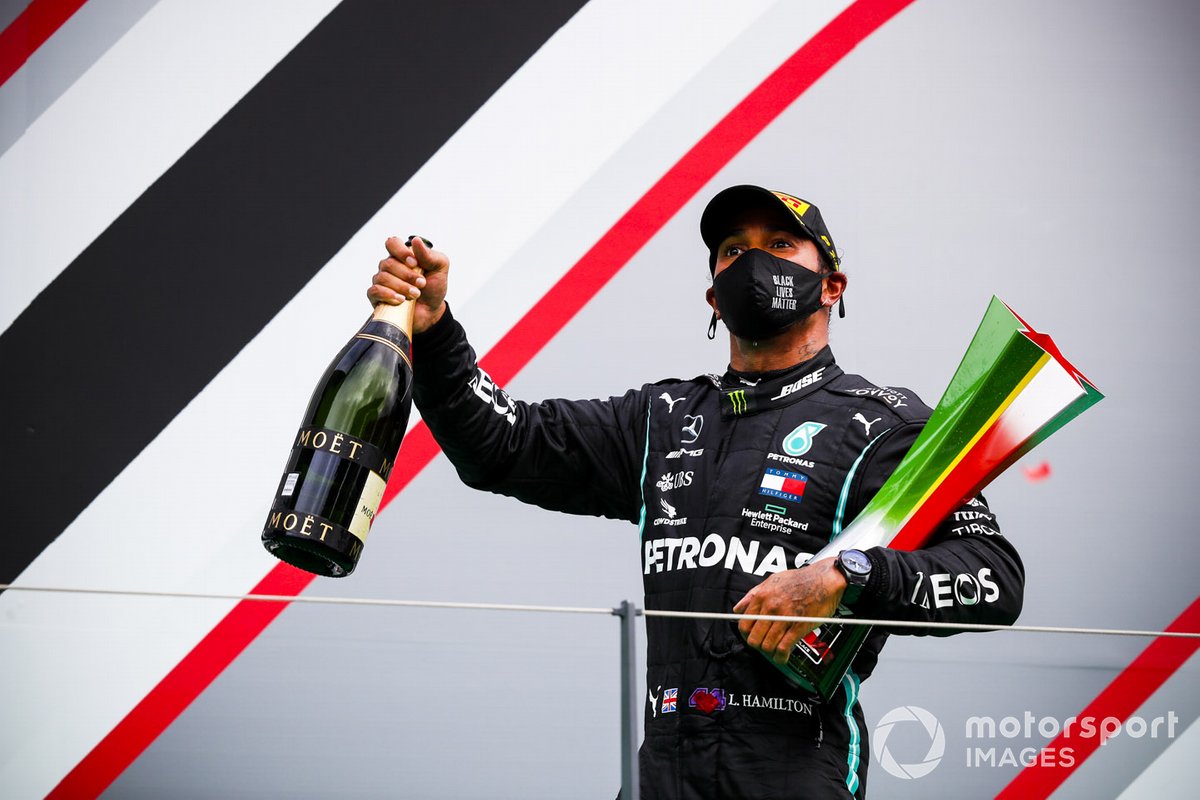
{"points": [[670, 698]]}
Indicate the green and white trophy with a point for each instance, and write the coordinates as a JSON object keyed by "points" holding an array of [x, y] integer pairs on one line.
{"points": [[1011, 391]]}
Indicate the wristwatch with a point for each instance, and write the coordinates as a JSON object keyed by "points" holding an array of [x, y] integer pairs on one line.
{"points": [[856, 566]]}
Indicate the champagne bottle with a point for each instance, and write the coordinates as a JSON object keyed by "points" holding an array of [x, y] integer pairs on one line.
{"points": [[345, 448]]}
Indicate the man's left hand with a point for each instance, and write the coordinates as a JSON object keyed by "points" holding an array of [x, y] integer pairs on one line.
{"points": [[813, 590]]}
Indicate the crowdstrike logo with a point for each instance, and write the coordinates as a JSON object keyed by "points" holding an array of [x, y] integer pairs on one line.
{"points": [[915, 721], [671, 517]]}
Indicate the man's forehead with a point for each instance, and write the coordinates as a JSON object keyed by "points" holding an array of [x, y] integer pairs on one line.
{"points": [[722, 212], [772, 218]]}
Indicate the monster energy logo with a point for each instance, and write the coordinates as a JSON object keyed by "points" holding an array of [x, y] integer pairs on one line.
{"points": [[738, 400]]}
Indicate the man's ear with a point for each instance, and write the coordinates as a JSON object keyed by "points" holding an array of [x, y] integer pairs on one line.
{"points": [[834, 286], [710, 295]]}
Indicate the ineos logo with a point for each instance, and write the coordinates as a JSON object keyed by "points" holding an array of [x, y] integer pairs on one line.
{"points": [[926, 725]]}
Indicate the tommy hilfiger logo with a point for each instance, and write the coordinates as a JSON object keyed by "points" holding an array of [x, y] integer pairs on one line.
{"points": [[784, 485]]}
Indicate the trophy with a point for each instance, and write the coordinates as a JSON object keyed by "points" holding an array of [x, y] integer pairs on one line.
{"points": [[1011, 391]]}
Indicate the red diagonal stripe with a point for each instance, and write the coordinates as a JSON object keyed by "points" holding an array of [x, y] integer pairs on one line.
{"points": [[1128, 691], [30, 30], [525, 339], [180, 687], [687, 177]]}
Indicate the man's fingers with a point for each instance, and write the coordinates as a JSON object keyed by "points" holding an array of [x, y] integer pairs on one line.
{"points": [[393, 283], [747, 605], [419, 247], [411, 258], [757, 632], [787, 643], [740, 607], [399, 274], [776, 639], [399, 250], [772, 637], [428, 259]]}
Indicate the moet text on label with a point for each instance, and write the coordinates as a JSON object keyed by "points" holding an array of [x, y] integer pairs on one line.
{"points": [[337, 443], [305, 524]]}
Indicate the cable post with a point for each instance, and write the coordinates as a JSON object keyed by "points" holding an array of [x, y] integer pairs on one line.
{"points": [[630, 777]]}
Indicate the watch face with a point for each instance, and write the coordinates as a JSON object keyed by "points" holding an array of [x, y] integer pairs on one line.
{"points": [[856, 561]]}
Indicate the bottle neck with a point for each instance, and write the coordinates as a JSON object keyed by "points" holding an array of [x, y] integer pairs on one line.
{"points": [[399, 315]]}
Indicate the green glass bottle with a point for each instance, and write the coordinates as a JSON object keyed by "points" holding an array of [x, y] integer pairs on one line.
{"points": [[344, 451]]}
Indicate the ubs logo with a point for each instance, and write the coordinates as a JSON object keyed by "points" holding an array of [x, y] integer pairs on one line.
{"points": [[671, 481]]}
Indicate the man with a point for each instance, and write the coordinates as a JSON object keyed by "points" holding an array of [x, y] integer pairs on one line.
{"points": [[733, 482]]}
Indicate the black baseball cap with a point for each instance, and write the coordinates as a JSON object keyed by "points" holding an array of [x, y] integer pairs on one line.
{"points": [[728, 203]]}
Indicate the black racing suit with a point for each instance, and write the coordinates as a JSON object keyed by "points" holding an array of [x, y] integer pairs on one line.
{"points": [[728, 480]]}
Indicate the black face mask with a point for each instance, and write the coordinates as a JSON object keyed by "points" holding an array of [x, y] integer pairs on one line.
{"points": [[761, 295]]}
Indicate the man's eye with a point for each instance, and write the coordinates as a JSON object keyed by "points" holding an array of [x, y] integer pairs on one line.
{"points": [[779, 243], [733, 250]]}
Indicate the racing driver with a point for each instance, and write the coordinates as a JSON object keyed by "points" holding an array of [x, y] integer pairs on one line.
{"points": [[733, 481]]}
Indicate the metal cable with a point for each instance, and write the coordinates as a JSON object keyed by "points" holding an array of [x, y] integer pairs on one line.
{"points": [[367, 601], [284, 598]]}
